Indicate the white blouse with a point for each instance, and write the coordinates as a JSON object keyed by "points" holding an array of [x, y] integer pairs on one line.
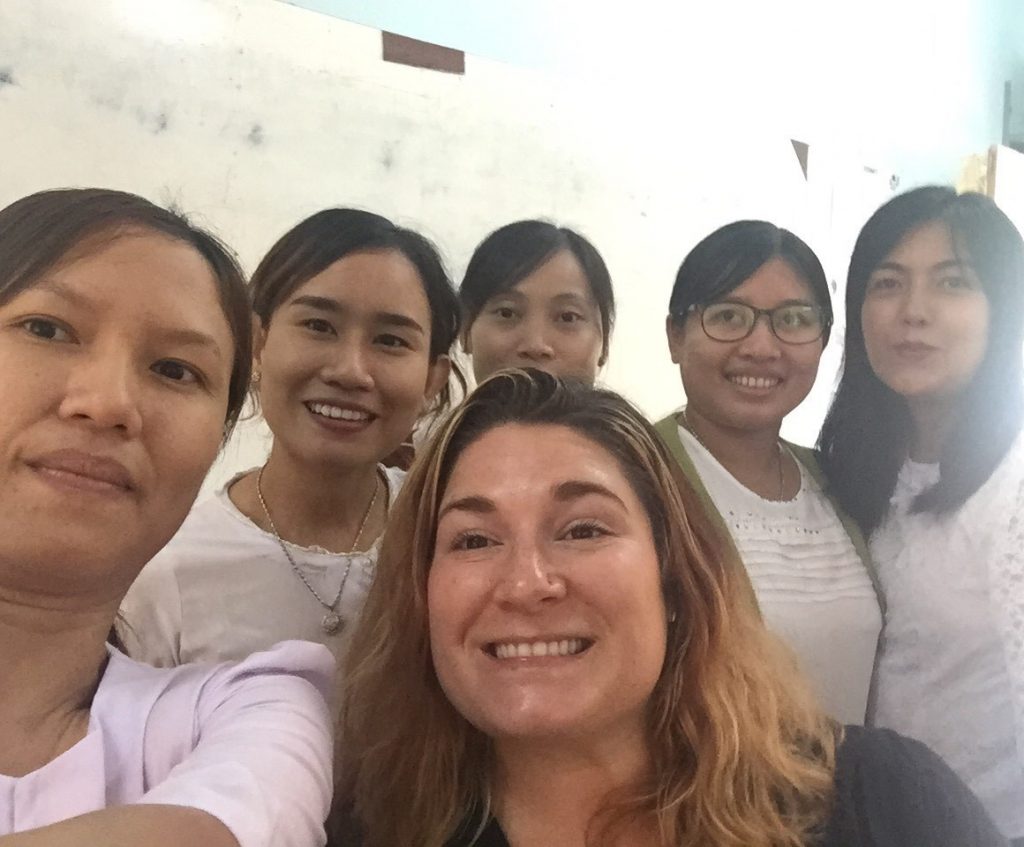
{"points": [[813, 588], [951, 665], [222, 588], [248, 743]]}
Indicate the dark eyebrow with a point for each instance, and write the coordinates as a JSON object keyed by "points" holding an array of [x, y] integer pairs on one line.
{"points": [[323, 304], [395, 319], [739, 301], [191, 338], [329, 304], [476, 504], [508, 294], [574, 489]]}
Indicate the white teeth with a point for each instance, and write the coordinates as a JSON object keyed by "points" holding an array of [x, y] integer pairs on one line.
{"points": [[337, 413], [755, 381], [530, 649]]}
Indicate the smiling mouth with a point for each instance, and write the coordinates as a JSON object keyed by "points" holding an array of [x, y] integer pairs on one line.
{"points": [[538, 649], [755, 381], [340, 413]]}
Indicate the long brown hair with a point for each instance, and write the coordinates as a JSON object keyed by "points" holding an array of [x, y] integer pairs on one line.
{"points": [[740, 753]]}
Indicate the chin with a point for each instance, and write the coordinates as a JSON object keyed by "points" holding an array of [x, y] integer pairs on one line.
{"points": [[529, 725]]}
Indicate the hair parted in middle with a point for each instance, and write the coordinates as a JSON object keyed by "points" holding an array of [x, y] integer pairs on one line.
{"points": [[740, 752], [316, 243]]}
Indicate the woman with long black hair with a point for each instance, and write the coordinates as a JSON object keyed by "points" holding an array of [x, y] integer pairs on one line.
{"points": [[923, 448]]}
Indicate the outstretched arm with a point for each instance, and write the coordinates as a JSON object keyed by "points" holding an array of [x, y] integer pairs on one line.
{"points": [[130, 826]]}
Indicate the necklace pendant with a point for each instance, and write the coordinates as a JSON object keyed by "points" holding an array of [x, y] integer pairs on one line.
{"points": [[332, 623]]}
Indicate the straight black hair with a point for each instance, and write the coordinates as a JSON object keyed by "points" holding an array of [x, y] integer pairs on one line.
{"points": [[732, 254], [510, 254], [866, 435], [319, 241]]}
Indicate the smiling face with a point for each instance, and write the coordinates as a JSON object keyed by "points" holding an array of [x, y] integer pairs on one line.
{"points": [[345, 361], [548, 320], [755, 382], [925, 317], [114, 369], [544, 595]]}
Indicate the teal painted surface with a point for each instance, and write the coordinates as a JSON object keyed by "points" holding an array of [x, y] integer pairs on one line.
{"points": [[913, 85]]}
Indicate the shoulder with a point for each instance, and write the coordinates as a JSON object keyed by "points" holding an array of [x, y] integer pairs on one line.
{"points": [[298, 670], [293, 668], [892, 790], [668, 427]]}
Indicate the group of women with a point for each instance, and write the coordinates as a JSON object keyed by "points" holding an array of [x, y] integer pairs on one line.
{"points": [[564, 625]]}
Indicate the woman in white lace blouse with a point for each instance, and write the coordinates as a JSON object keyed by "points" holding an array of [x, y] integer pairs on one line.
{"points": [[748, 318], [923, 446]]}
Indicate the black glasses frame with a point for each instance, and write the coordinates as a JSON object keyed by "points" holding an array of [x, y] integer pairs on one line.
{"points": [[825, 322]]}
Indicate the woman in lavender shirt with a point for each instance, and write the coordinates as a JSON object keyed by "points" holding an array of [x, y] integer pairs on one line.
{"points": [[125, 352]]}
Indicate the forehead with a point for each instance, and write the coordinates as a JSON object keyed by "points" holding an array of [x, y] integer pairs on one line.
{"points": [[374, 281], [156, 277], [776, 281], [928, 244], [520, 464], [559, 276]]}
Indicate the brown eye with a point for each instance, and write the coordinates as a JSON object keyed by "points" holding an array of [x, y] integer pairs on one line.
{"points": [[471, 541], [46, 329], [176, 372]]}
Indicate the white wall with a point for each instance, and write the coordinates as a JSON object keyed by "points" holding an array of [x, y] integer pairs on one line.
{"points": [[251, 114], [910, 85]]}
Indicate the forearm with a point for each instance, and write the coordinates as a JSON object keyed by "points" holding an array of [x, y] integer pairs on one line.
{"points": [[130, 826]]}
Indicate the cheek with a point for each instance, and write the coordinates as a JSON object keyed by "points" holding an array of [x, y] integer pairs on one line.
{"points": [[402, 385], [805, 361], [873, 321], [446, 602], [487, 342], [975, 329]]}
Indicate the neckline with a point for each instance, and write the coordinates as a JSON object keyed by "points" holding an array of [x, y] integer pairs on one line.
{"points": [[223, 497], [691, 441]]}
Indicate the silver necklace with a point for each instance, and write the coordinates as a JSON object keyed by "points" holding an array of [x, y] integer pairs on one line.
{"points": [[331, 622], [693, 432]]}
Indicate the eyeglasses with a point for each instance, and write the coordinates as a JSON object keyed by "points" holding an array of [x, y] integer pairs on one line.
{"points": [[792, 323]]}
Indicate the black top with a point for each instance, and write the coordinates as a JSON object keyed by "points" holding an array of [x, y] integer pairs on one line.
{"points": [[890, 792]]}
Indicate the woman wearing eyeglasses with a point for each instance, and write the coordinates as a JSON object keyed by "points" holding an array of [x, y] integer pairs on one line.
{"points": [[748, 319]]}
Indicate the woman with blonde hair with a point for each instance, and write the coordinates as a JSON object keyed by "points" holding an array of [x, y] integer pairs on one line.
{"points": [[554, 652]]}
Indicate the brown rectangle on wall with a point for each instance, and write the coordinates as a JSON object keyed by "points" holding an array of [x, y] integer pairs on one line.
{"points": [[422, 54]]}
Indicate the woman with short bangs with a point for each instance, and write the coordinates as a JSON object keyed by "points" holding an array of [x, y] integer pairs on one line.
{"points": [[355, 320], [125, 347], [924, 448], [554, 653]]}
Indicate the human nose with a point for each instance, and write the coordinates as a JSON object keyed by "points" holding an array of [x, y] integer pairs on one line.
{"points": [[348, 366], [762, 343], [102, 390], [530, 578], [916, 305], [534, 343]]}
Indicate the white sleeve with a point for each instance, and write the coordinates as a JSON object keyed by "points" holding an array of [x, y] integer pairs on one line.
{"points": [[1006, 583], [150, 624], [261, 763]]}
